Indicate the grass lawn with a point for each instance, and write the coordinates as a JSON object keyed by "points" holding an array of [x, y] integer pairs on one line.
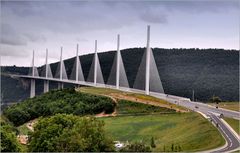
{"points": [[228, 105], [233, 123], [190, 131], [141, 98]]}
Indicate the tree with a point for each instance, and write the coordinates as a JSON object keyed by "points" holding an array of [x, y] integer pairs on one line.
{"points": [[153, 145], [8, 139], [172, 147], [69, 133], [215, 99]]}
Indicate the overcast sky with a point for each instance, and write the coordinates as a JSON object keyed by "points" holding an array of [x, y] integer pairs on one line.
{"points": [[28, 25]]}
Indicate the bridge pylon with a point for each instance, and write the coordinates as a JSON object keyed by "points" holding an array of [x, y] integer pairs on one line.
{"points": [[61, 71], [148, 77], [77, 73], [95, 73], [118, 75], [47, 67]]}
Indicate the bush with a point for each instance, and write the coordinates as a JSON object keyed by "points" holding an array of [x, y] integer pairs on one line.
{"points": [[153, 145], [8, 139], [215, 99]]}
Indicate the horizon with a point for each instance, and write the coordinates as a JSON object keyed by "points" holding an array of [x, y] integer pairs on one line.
{"points": [[112, 51]]}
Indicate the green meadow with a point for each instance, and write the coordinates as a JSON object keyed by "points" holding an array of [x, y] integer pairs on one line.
{"points": [[190, 131]]}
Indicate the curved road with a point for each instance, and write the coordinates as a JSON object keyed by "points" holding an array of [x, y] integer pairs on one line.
{"points": [[232, 141]]}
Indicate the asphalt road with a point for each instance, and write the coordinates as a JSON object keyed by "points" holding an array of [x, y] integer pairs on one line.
{"points": [[232, 141], [204, 108]]}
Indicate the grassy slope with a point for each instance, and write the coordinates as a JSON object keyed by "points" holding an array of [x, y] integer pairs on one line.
{"points": [[229, 105], [189, 130], [233, 123], [131, 96], [133, 108]]}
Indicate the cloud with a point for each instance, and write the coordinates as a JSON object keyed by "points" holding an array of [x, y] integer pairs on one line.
{"points": [[152, 16], [201, 6], [7, 50], [49, 24], [10, 36], [35, 38], [82, 40]]}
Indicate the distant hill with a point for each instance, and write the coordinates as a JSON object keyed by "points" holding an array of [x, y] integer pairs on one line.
{"points": [[206, 71]]}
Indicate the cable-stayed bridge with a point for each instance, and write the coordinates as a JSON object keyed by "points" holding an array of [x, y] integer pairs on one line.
{"points": [[147, 81]]}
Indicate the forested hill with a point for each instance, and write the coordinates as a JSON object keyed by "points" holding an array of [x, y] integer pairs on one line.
{"points": [[206, 71]]}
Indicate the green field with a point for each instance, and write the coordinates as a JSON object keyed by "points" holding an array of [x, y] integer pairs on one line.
{"points": [[228, 105], [190, 131], [233, 123]]}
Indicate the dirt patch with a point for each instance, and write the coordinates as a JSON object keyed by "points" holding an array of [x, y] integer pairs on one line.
{"points": [[23, 139], [103, 114]]}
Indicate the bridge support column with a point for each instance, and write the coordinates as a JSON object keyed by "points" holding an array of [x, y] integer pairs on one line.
{"points": [[46, 86], [32, 89], [60, 85]]}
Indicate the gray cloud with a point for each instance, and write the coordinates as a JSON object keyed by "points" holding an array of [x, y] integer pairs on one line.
{"points": [[154, 16], [49, 24], [82, 40], [7, 50], [35, 38], [10, 36]]}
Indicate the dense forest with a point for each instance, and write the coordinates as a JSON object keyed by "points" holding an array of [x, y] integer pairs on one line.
{"points": [[58, 101], [206, 71]]}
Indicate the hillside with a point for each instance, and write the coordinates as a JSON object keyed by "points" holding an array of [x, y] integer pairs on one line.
{"points": [[206, 71], [47, 119]]}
